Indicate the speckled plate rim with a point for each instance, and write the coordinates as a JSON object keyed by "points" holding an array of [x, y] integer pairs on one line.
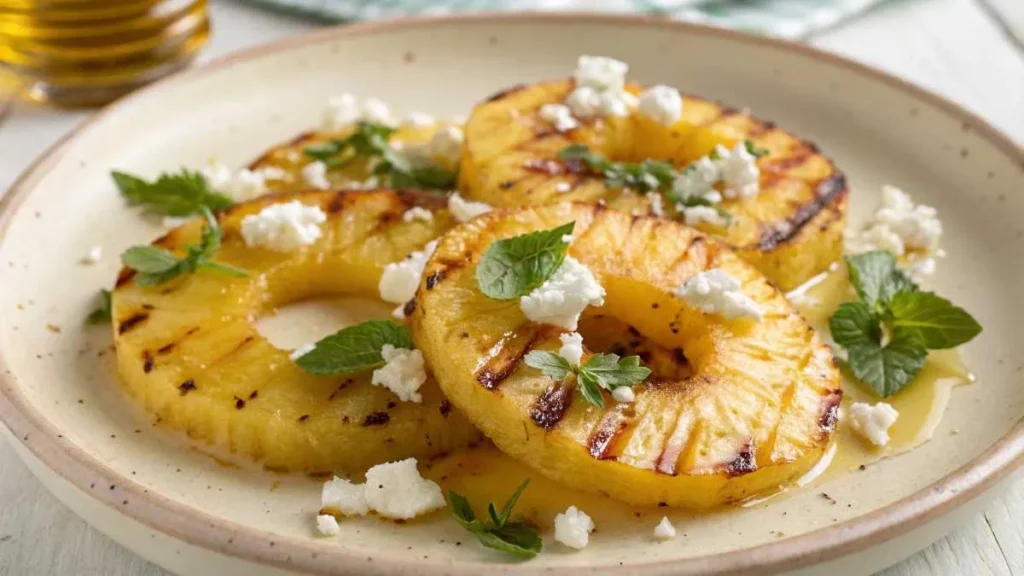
{"points": [[180, 521]]}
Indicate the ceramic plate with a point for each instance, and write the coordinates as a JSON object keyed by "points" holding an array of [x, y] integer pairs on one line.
{"points": [[62, 402]]}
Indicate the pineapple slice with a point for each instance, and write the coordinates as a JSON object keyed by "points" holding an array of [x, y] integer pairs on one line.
{"points": [[791, 231], [739, 408], [189, 352]]}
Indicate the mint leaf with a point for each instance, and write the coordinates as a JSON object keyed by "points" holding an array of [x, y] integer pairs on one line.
{"points": [[646, 176], [513, 267], [149, 259], [754, 150], [355, 348], [104, 313], [609, 372], [550, 364], [855, 324], [516, 538], [173, 194], [888, 369], [589, 389], [936, 321], [877, 277]]}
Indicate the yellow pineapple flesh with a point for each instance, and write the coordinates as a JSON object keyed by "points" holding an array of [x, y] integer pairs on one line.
{"points": [[732, 409], [791, 231], [189, 351]]}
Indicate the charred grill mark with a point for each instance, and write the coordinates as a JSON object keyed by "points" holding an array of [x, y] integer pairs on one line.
{"points": [[409, 307], [132, 321], [304, 417], [239, 403], [376, 419], [550, 407], [601, 441], [796, 158], [826, 191], [830, 412], [506, 355], [339, 389], [336, 204], [434, 278], [422, 199], [507, 184], [759, 128], [745, 461], [679, 356], [445, 408], [147, 362], [124, 276], [186, 386], [505, 92]]}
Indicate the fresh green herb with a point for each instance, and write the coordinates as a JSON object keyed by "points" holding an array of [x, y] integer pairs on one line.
{"points": [[156, 266], [355, 348], [888, 332], [513, 267], [182, 194], [516, 538], [753, 150], [646, 176], [371, 142], [103, 313], [605, 371]]}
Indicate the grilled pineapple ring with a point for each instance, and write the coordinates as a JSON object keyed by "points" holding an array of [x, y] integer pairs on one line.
{"points": [[189, 352], [791, 231], [757, 409]]}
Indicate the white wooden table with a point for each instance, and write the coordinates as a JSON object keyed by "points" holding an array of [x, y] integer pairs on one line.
{"points": [[971, 51]]}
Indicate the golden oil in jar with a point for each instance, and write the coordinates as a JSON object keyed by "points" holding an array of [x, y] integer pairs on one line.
{"points": [[89, 52]]}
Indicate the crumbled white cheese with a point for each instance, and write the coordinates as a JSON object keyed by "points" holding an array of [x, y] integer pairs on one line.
{"points": [[714, 291], [315, 174], [420, 120], [657, 204], [283, 227], [240, 186], [900, 226], [697, 180], [562, 298], [465, 210], [739, 171], [377, 112], [399, 281], [273, 173], [600, 88], [873, 422], [417, 213], [327, 525], [396, 490], [624, 394], [563, 187], [572, 348], [559, 116], [573, 528], [301, 351], [446, 144], [696, 215], [344, 110], [344, 496], [665, 530], [94, 255], [459, 119], [403, 373], [663, 104]]}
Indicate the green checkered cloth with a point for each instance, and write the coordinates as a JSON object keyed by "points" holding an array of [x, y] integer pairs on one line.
{"points": [[784, 18]]}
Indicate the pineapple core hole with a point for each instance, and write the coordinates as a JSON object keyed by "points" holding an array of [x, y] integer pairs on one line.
{"points": [[602, 333], [294, 325]]}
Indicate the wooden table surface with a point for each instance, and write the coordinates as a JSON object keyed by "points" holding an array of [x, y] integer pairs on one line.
{"points": [[971, 51]]}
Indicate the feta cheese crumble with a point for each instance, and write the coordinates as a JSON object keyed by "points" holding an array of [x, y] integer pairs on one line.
{"points": [[418, 213], [600, 88], [559, 116], [400, 279], [739, 171], [697, 180], [663, 104], [403, 373], [301, 351], [327, 525], [624, 394], [572, 348], [315, 174], [563, 187], [873, 422], [657, 204], [396, 490], [446, 144], [696, 215], [345, 109], [714, 291], [273, 173], [94, 255], [283, 227], [238, 185], [393, 490], [562, 298], [665, 530], [901, 227], [573, 528], [420, 120], [465, 210]]}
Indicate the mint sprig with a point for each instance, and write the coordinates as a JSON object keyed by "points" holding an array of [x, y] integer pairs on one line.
{"points": [[371, 142], [172, 194], [104, 312], [513, 267], [355, 348], [155, 266], [600, 371], [497, 532], [646, 176], [888, 332]]}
